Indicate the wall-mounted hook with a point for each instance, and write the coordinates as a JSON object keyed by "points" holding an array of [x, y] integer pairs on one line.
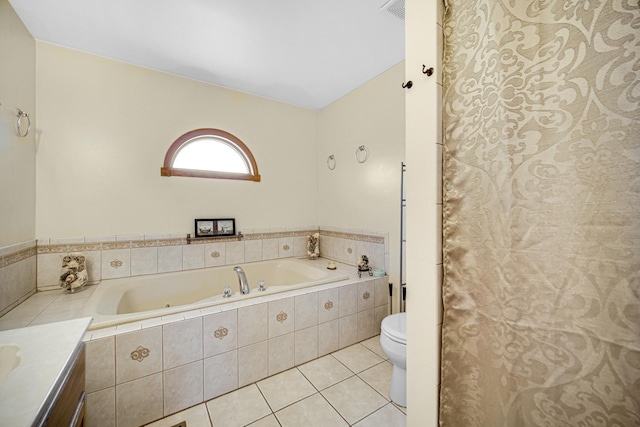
{"points": [[407, 85], [427, 71]]}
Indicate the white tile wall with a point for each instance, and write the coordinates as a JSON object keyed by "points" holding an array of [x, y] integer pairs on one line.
{"points": [[138, 354], [281, 353], [281, 317], [192, 257], [252, 324], [183, 387], [253, 363], [220, 332], [116, 263], [101, 408], [169, 258], [131, 255], [306, 310], [140, 401], [306, 345], [182, 342], [201, 357], [220, 374]]}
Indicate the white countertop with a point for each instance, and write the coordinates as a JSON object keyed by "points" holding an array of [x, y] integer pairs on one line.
{"points": [[45, 351]]}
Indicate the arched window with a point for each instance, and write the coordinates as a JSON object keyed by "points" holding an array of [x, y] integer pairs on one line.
{"points": [[210, 153]]}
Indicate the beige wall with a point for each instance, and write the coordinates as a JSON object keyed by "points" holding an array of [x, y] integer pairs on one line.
{"points": [[17, 155], [105, 127], [424, 210], [365, 196]]}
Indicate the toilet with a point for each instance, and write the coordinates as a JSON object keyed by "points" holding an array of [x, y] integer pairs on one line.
{"points": [[393, 340]]}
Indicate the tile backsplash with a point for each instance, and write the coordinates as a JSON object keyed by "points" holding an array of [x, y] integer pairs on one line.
{"points": [[17, 274], [133, 255], [35, 265]]}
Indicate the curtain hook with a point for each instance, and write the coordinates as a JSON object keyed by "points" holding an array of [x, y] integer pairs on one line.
{"points": [[427, 71]]}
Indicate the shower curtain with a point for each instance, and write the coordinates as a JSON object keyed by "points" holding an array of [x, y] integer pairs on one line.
{"points": [[541, 213]]}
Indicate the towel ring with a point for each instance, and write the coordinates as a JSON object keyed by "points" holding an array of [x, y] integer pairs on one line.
{"points": [[331, 162], [359, 158], [20, 115]]}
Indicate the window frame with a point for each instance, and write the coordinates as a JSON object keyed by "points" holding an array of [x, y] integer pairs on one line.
{"points": [[168, 170]]}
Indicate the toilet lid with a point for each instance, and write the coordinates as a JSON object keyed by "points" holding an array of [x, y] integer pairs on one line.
{"points": [[395, 327]]}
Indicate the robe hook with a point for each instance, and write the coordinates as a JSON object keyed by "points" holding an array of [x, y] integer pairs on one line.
{"points": [[407, 85], [428, 71]]}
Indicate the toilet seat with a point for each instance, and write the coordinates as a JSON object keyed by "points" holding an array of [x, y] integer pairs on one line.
{"points": [[395, 327]]}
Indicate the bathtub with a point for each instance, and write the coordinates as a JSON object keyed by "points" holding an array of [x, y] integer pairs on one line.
{"points": [[129, 299]]}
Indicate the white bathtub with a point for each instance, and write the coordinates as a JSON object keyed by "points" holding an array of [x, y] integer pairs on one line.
{"points": [[135, 298]]}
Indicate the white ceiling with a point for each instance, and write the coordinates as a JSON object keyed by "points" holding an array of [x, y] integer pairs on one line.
{"points": [[303, 52]]}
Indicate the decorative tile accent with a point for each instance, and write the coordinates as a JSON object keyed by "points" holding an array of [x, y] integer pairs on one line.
{"points": [[277, 244], [140, 353], [352, 236], [221, 332], [328, 305], [15, 257], [281, 317]]}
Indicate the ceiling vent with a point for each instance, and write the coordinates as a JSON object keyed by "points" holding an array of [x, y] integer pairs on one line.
{"points": [[395, 7]]}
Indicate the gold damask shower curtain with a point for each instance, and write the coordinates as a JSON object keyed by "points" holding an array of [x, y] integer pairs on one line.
{"points": [[541, 210]]}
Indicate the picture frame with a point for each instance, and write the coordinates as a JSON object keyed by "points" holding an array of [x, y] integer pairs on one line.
{"points": [[215, 227]]}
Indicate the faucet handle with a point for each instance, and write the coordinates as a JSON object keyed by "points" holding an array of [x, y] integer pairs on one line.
{"points": [[226, 292], [262, 286]]}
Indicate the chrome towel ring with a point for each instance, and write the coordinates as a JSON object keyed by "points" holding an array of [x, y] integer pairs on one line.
{"points": [[331, 162], [359, 157], [21, 115]]}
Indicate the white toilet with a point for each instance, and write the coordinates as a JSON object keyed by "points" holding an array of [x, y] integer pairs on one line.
{"points": [[393, 340]]}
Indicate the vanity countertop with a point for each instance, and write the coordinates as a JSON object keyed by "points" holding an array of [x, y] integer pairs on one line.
{"points": [[45, 352]]}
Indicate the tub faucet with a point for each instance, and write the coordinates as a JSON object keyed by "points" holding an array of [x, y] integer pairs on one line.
{"points": [[242, 279]]}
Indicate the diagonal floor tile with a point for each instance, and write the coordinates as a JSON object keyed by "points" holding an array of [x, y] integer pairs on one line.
{"points": [[285, 388], [357, 357], [238, 408], [314, 411], [379, 377], [269, 421], [196, 416], [354, 399], [373, 344], [325, 372], [388, 416]]}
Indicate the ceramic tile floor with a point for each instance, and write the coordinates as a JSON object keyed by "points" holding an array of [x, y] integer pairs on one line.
{"points": [[347, 388]]}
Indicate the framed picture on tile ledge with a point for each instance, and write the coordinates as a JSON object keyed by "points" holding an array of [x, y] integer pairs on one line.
{"points": [[217, 227]]}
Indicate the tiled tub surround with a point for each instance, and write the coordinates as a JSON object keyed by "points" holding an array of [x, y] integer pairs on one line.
{"points": [[123, 256], [127, 299], [143, 371], [17, 274]]}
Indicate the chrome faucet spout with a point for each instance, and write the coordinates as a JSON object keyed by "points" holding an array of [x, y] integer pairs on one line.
{"points": [[242, 279]]}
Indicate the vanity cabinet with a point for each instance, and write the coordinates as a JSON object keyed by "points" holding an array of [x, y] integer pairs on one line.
{"points": [[67, 405]]}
